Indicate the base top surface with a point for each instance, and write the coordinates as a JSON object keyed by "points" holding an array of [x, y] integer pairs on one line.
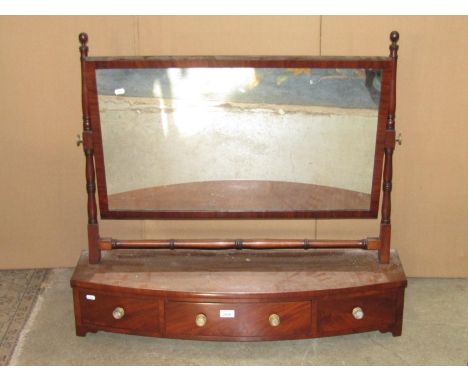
{"points": [[240, 273]]}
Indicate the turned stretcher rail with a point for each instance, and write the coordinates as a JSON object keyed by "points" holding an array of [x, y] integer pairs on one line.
{"points": [[369, 243]]}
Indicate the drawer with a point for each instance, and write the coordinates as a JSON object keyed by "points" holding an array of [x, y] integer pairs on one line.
{"points": [[127, 312], [262, 320], [347, 315]]}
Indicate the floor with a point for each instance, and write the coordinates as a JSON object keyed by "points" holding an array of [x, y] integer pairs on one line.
{"points": [[18, 293], [435, 332]]}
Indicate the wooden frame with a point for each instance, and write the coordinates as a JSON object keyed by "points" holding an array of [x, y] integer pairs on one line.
{"points": [[239, 290], [94, 63], [92, 145]]}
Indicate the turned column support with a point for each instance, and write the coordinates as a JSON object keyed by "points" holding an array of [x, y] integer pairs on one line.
{"points": [[385, 224], [93, 228]]}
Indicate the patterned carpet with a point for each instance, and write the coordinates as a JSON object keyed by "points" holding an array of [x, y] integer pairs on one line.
{"points": [[18, 293]]}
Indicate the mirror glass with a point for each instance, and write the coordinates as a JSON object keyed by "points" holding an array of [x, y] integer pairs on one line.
{"points": [[238, 139]]}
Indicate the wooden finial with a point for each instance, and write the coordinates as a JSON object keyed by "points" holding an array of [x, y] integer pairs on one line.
{"points": [[83, 38], [394, 37]]}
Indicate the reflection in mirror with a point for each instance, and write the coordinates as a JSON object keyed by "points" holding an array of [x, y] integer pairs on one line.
{"points": [[238, 139]]}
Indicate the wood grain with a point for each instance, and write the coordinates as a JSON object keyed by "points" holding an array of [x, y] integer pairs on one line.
{"points": [[88, 148], [245, 274], [250, 320], [313, 295], [108, 211], [139, 311], [385, 224]]}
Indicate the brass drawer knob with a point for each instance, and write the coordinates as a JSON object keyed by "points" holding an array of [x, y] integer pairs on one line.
{"points": [[118, 313], [200, 320], [274, 319], [358, 313]]}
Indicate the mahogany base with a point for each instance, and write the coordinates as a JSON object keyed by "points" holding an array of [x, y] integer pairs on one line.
{"points": [[239, 296]]}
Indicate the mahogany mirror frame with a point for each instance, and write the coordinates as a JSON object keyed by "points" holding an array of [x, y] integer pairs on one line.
{"points": [[95, 169]]}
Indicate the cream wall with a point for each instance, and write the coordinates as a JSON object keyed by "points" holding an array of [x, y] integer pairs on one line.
{"points": [[43, 197]]}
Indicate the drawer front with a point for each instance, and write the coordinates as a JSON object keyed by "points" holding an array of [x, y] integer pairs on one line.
{"points": [[347, 315], [132, 313], [266, 320]]}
